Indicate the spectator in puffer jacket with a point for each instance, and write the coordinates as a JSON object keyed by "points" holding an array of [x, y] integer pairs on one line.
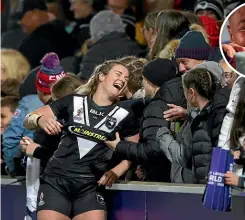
{"points": [[190, 153], [110, 41], [162, 84]]}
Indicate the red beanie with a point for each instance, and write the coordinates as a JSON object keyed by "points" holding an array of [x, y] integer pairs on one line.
{"points": [[212, 29], [49, 73]]}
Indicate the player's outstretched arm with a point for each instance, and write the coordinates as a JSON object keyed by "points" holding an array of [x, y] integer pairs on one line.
{"points": [[43, 118]]}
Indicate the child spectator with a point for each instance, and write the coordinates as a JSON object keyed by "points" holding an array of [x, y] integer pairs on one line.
{"points": [[8, 106], [65, 86]]}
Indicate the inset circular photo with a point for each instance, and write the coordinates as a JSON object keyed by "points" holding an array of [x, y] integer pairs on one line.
{"points": [[232, 40]]}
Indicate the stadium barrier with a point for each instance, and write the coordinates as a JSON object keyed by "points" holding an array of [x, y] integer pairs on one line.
{"points": [[138, 201]]}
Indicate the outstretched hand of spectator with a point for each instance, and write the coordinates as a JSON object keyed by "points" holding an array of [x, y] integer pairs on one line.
{"points": [[231, 49], [28, 148], [113, 144], [231, 179], [175, 112], [50, 125]]}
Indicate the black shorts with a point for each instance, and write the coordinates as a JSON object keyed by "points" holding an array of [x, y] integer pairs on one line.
{"points": [[70, 196]]}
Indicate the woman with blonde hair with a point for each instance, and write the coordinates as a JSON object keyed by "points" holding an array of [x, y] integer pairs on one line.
{"points": [[69, 185], [13, 65]]}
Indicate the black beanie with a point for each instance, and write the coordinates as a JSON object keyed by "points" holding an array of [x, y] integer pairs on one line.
{"points": [[193, 46], [159, 71]]}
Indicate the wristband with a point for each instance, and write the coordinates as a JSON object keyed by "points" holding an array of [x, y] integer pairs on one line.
{"points": [[37, 120], [31, 121]]}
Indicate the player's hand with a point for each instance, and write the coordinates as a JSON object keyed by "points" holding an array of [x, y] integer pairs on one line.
{"points": [[231, 49], [50, 125], [113, 144], [109, 178], [140, 173], [231, 179], [175, 112]]}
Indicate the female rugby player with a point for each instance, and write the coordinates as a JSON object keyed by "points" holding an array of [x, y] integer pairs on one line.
{"points": [[69, 186]]}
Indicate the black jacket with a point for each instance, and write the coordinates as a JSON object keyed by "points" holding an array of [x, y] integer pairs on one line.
{"points": [[205, 130], [147, 152], [111, 46], [50, 37]]}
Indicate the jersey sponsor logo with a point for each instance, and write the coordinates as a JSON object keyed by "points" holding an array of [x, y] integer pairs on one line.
{"points": [[97, 113], [16, 113], [41, 202], [79, 114], [110, 122], [81, 131], [100, 199]]}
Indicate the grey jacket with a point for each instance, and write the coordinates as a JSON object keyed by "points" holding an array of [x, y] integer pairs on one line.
{"points": [[178, 151]]}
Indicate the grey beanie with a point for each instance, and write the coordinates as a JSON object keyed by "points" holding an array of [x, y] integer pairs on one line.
{"points": [[104, 23], [213, 67]]}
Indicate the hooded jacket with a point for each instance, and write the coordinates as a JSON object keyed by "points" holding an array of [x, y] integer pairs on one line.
{"points": [[148, 152]]}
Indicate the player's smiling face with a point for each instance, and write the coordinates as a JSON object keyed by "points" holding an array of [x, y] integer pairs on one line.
{"points": [[116, 80]]}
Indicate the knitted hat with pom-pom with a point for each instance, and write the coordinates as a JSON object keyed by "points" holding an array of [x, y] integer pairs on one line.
{"points": [[49, 72]]}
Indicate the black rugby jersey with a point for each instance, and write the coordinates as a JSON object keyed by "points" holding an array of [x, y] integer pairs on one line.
{"points": [[82, 151]]}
